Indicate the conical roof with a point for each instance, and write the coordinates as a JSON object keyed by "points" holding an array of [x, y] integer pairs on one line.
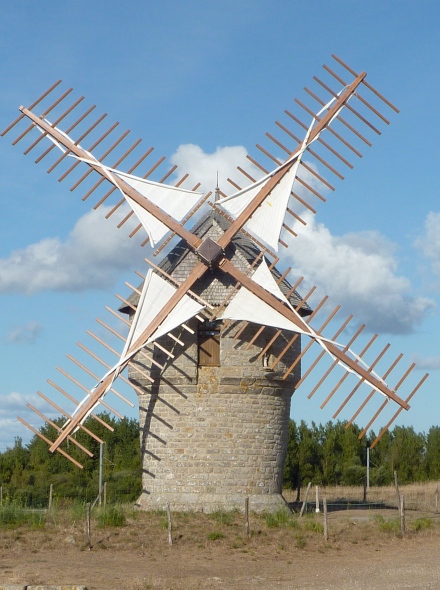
{"points": [[215, 285]]}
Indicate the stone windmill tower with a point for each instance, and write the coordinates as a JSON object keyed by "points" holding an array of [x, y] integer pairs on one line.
{"points": [[213, 345], [222, 434]]}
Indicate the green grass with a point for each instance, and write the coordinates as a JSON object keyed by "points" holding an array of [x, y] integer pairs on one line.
{"points": [[280, 518], [214, 536], [12, 516], [313, 526], [223, 516], [301, 541], [112, 515], [391, 525], [419, 524]]}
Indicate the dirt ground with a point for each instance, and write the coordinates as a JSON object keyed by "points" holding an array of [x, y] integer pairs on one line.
{"points": [[364, 550]]}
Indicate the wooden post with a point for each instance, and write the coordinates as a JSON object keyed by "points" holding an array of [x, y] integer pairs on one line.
{"points": [[50, 496], [436, 498], [397, 491], [317, 499], [324, 503], [368, 468], [101, 456], [298, 487], [402, 514], [105, 494], [89, 544], [170, 535], [246, 515], [303, 507]]}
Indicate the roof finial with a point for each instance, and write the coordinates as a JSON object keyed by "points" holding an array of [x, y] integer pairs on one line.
{"points": [[217, 191]]}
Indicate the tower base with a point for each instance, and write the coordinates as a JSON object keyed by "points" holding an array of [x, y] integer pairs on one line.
{"points": [[207, 502]]}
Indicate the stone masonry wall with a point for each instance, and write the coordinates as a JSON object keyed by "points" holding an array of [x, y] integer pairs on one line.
{"points": [[210, 436]]}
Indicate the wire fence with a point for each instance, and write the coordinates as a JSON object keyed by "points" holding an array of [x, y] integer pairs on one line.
{"points": [[110, 492], [418, 497]]}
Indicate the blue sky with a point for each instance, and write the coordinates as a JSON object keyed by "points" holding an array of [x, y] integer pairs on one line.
{"points": [[217, 75]]}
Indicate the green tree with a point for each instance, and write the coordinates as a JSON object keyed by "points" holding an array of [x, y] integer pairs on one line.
{"points": [[432, 457]]}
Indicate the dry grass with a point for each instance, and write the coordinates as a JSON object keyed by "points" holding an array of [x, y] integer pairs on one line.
{"points": [[418, 496], [127, 529], [210, 550]]}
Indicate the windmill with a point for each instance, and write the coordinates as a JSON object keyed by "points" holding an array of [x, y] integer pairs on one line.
{"points": [[214, 330]]}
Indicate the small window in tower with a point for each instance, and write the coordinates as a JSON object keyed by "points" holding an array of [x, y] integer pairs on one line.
{"points": [[267, 358], [209, 344]]}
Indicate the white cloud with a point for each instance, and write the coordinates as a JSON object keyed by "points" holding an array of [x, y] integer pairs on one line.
{"points": [[429, 242], [357, 270], [204, 167], [429, 363], [91, 257], [360, 272], [14, 404], [26, 333]]}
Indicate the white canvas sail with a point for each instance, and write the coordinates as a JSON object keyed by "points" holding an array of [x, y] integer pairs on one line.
{"points": [[245, 306], [267, 221], [174, 201], [155, 294], [265, 279]]}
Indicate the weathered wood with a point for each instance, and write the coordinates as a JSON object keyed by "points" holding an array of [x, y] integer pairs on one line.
{"points": [[402, 514], [306, 495], [324, 504], [246, 516], [170, 525], [271, 183], [89, 542], [396, 485]]}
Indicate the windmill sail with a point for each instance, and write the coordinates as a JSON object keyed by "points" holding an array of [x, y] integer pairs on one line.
{"points": [[174, 201], [156, 292], [260, 209], [267, 221]]}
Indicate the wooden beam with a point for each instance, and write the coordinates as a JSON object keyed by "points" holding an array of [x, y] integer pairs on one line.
{"points": [[267, 297], [198, 271]]}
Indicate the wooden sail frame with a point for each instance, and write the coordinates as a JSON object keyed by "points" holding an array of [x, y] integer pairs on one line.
{"points": [[213, 254]]}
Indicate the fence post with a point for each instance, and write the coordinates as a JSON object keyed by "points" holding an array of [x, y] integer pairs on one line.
{"points": [[101, 456], [324, 504], [89, 544], [170, 536], [303, 507], [50, 496], [105, 494], [397, 491], [246, 515], [402, 514], [1, 494], [368, 468], [317, 499]]}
